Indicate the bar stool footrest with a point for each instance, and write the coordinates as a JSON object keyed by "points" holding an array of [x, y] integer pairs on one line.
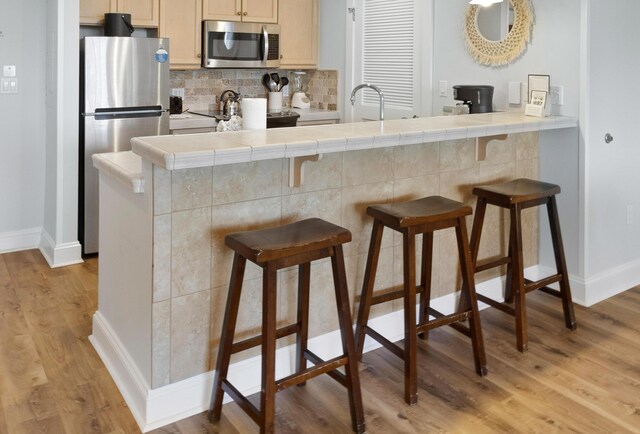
{"points": [[321, 368], [335, 374], [443, 320], [385, 342], [500, 306], [257, 340], [242, 401], [543, 285], [456, 325], [492, 263], [392, 295]]}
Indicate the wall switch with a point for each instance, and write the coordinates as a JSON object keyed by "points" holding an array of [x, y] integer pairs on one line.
{"points": [[9, 85], [557, 95], [443, 88], [9, 70], [629, 214], [515, 92], [177, 91]]}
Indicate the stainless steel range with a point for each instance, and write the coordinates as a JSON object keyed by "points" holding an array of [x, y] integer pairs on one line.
{"points": [[285, 118]]}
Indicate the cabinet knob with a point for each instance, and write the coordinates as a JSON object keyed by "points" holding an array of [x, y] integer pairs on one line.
{"points": [[245, 13], [238, 13], [199, 55], [282, 56]]}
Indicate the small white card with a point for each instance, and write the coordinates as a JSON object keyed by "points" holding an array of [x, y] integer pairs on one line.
{"points": [[534, 110]]}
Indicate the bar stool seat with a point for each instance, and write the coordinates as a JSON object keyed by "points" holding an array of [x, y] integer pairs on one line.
{"points": [[517, 195], [421, 216], [298, 244]]}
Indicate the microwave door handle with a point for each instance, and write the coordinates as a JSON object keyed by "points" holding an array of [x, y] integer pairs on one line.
{"points": [[265, 46]]}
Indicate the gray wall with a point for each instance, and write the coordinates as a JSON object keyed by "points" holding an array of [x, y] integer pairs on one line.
{"points": [[22, 118]]}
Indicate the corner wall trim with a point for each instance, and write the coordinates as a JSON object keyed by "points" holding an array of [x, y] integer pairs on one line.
{"points": [[59, 255], [24, 239]]}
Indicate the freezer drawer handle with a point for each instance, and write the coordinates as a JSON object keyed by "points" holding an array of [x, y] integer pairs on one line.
{"points": [[127, 112]]}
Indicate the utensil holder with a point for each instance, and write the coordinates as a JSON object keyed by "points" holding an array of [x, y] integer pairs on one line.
{"points": [[275, 101]]}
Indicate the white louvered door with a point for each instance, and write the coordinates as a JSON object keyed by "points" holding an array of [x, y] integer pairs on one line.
{"points": [[392, 49]]}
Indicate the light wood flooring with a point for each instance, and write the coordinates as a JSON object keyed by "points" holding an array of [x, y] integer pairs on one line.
{"points": [[587, 381]]}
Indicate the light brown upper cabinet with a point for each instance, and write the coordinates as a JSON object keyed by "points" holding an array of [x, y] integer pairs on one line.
{"points": [[182, 22], [298, 34], [144, 13], [253, 11]]}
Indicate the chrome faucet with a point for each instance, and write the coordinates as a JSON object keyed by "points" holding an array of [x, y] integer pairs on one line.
{"points": [[371, 86]]}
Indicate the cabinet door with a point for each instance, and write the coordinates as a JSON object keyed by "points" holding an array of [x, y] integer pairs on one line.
{"points": [[92, 11], [223, 10], [298, 33], [182, 22], [144, 13], [260, 11]]}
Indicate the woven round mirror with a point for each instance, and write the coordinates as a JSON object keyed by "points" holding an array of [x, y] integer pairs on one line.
{"points": [[513, 20]]}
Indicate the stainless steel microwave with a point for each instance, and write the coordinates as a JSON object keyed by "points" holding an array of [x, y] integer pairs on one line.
{"points": [[240, 45]]}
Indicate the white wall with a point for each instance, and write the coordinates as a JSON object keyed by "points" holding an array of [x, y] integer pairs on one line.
{"points": [[612, 177], [554, 50], [22, 126]]}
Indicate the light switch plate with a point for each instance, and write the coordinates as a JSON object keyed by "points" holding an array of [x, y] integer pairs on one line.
{"points": [[557, 95], [443, 88], [515, 92], [9, 70], [9, 85]]}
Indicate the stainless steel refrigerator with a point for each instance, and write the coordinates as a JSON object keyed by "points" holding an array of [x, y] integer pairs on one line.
{"points": [[124, 93]]}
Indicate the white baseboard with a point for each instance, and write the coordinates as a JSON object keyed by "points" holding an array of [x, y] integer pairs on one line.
{"points": [[20, 240], [59, 255], [154, 408], [610, 282]]}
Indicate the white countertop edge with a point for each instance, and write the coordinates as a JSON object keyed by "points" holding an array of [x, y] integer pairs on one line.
{"points": [[126, 167], [501, 123]]}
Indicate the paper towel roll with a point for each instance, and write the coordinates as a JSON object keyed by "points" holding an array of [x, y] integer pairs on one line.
{"points": [[254, 113]]}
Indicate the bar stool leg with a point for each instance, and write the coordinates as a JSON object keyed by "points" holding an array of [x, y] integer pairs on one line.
{"points": [[518, 278], [268, 392], [469, 295], [226, 341], [367, 285], [476, 230], [561, 265], [304, 277], [425, 280], [410, 337], [508, 288], [348, 345]]}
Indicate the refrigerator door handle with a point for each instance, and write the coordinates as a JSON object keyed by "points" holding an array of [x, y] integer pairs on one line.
{"points": [[127, 112]]}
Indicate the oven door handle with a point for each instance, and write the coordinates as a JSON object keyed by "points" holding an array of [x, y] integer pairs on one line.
{"points": [[265, 45]]}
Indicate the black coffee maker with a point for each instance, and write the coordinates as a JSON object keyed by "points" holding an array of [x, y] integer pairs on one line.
{"points": [[479, 98]]}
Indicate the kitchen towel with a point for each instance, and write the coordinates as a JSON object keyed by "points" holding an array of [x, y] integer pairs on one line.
{"points": [[254, 113]]}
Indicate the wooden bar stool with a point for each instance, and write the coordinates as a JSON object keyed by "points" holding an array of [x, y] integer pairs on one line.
{"points": [[298, 244], [422, 216], [515, 196]]}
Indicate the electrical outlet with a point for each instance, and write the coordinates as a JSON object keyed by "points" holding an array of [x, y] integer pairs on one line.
{"points": [[177, 91], [629, 214], [557, 95]]}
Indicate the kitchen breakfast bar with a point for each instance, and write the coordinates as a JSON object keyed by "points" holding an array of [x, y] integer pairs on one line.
{"points": [[166, 206]]}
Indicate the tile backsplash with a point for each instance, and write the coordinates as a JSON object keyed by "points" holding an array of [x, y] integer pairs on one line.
{"points": [[202, 88]]}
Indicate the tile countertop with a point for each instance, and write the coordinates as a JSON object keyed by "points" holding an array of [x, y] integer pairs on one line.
{"points": [[202, 150], [190, 120]]}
